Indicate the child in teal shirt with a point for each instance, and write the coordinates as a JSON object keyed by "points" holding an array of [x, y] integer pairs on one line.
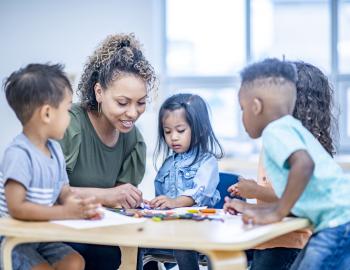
{"points": [[308, 182]]}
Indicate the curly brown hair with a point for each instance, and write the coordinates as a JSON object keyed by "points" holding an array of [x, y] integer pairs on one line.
{"points": [[116, 55], [314, 104]]}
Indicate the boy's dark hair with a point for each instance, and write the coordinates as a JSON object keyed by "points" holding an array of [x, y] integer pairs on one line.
{"points": [[117, 54], [269, 68], [314, 104], [203, 139], [35, 85]]}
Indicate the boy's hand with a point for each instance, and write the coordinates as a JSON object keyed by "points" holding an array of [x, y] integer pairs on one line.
{"points": [[262, 215], [253, 213], [234, 206], [86, 208], [245, 188], [162, 202]]}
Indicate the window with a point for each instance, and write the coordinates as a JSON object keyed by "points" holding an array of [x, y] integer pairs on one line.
{"points": [[298, 30], [205, 37], [344, 37], [205, 50], [209, 41]]}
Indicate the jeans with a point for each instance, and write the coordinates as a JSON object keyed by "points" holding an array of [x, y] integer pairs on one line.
{"points": [[99, 256], [326, 249], [186, 259], [274, 258]]}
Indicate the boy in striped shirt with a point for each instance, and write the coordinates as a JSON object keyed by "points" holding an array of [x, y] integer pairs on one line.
{"points": [[35, 182]]}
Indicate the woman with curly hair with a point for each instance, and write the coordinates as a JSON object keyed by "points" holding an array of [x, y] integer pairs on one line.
{"points": [[313, 107], [104, 151]]}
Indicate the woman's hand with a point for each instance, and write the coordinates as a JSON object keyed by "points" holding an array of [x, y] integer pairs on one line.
{"points": [[245, 188], [125, 196]]}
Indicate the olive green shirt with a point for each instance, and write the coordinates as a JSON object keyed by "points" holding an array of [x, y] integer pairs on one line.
{"points": [[91, 163]]}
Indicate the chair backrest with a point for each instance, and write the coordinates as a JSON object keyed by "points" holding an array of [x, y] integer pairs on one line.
{"points": [[226, 180]]}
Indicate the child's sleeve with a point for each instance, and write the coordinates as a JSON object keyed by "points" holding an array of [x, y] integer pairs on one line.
{"points": [[281, 142], [17, 166], [205, 181]]}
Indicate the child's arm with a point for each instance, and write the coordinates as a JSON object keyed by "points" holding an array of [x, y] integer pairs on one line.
{"points": [[66, 192], [163, 202], [301, 169], [20, 208], [250, 189]]}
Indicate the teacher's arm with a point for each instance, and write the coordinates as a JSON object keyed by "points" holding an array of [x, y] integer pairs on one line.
{"points": [[125, 195]]}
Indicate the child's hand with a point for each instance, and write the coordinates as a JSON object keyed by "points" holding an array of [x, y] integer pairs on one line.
{"points": [[245, 188], [162, 202], [262, 215], [234, 206], [253, 213], [86, 208], [146, 204]]}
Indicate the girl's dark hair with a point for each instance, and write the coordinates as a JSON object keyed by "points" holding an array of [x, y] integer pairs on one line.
{"points": [[314, 104], [33, 86], [117, 55], [203, 139]]}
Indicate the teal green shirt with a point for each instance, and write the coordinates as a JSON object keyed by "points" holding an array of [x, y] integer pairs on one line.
{"points": [[326, 200], [91, 163]]}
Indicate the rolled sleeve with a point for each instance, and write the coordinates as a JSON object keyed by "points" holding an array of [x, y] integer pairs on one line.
{"points": [[205, 181]]}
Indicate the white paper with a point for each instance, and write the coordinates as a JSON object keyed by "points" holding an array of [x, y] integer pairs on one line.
{"points": [[109, 219]]}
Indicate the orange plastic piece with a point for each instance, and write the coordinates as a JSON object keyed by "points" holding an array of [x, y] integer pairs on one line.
{"points": [[208, 211]]}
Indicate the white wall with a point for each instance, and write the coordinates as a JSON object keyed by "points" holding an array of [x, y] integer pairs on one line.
{"points": [[67, 32]]}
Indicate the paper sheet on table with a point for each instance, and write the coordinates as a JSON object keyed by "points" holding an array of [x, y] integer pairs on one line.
{"points": [[109, 219]]}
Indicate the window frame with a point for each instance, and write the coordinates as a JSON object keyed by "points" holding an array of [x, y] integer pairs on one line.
{"points": [[338, 80]]}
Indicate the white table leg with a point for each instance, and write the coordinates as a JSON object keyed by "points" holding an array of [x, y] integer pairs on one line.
{"points": [[226, 260], [129, 258]]}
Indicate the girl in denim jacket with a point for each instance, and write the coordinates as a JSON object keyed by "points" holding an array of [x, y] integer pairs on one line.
{"points": [[189, 175]]}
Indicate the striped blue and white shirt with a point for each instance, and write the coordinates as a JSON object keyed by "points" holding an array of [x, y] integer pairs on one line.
{"points": [[43, 177]]}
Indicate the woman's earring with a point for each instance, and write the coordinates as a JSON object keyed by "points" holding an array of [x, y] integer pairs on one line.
{"points": [[99, 110]]}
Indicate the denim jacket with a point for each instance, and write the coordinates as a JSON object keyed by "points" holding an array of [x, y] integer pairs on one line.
{"points": [[199, 181]]}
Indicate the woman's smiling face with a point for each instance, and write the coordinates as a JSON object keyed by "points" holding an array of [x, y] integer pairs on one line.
{"points": [[123, 101]]}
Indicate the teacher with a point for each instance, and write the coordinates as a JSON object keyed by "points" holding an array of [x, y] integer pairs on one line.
{"points": [[104, 151]]}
